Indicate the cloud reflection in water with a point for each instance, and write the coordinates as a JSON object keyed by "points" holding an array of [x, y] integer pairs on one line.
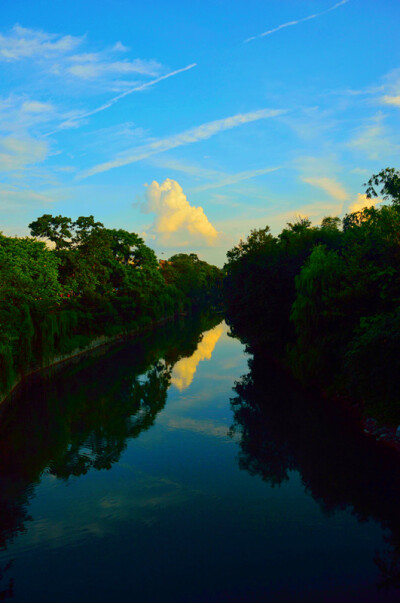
{"points": [[185, 369]]}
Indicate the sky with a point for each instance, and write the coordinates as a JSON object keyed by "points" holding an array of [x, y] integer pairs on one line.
{"points": [[191, 123]]}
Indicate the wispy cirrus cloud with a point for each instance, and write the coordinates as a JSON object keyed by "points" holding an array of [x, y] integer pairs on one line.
{"points": [[96, 65], [391, 100], [12, 198], [56, 56], [231, 179], [77, 118], [330, 186], [218, 179], [23, 43], [374, 140], [297, 22], [196, 134], [194, 170], [19, 113], [18, 152], [392, 89], [27, 119]]}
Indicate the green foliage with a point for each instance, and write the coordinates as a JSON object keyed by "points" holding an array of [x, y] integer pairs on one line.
{"points": [[55, 228], [199, 282], [372, 364], [29, 267], [389, 181], [325, 298], [259, 284], [95, 281]]}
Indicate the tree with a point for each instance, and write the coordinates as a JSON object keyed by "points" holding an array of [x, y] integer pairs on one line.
{"points": [[330, 222], [257, 240], [389, 181], [84, 227], [28, 266], [55, 228]]}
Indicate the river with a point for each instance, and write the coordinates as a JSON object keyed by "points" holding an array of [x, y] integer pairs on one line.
{"points": [[169, 470]]}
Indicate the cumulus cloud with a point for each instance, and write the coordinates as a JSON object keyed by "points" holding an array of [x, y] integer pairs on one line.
{"points": [[291, 23], [330, 186], [202, 132], [185, 369], [363, 201], [176, 221]]}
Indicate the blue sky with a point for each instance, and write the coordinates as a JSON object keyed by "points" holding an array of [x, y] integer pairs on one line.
{"points": [[191, 123]]}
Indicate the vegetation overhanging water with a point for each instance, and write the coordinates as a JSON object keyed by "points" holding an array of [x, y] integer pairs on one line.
{"points": [[323, 299], [129, 472]]}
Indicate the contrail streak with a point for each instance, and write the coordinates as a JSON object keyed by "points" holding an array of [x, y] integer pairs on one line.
{"points": [[290, 23], [71, 122]]}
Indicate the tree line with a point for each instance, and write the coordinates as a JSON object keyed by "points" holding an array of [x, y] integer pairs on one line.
{"points": [[325, 298], [73, 281]]}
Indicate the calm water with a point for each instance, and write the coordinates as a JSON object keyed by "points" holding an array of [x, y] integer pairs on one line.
{"points": [[140, 474]]}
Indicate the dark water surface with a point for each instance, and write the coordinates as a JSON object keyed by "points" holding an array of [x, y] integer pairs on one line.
{"points": [[141, 474]]}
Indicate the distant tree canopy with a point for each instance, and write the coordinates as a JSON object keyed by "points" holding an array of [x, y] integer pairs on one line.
{"points": [[198, 280], [327, 297]]}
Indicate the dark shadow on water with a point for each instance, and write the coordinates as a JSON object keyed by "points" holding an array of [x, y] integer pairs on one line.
{"points": [[282, 428], [80, 416]]}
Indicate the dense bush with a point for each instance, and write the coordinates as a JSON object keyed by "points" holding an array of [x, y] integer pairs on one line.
{"points": [[326, 298], [94, 282]]}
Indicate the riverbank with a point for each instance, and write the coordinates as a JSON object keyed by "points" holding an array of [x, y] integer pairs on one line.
{"points": [[375, 427], [95, 343]]}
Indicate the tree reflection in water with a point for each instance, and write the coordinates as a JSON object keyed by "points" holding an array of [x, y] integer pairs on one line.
{"points": [[83, 416], [282, 429]]}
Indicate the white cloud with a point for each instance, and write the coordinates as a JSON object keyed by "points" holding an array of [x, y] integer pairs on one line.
{"points": [[176, 221], [22, 43], [11, 199], [93, 66], [18, 113], [363, 201], [229, 179], [373, 140], [77, 118], [391, 100], [291, 23], [191, 170], [330, 186], [119, 47], [17, 152], [241, 226], [203, 426], [392, 89], [185, 369], [221, 179], [358, 170], [33, 106], [55, 55], [203, 132]]}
